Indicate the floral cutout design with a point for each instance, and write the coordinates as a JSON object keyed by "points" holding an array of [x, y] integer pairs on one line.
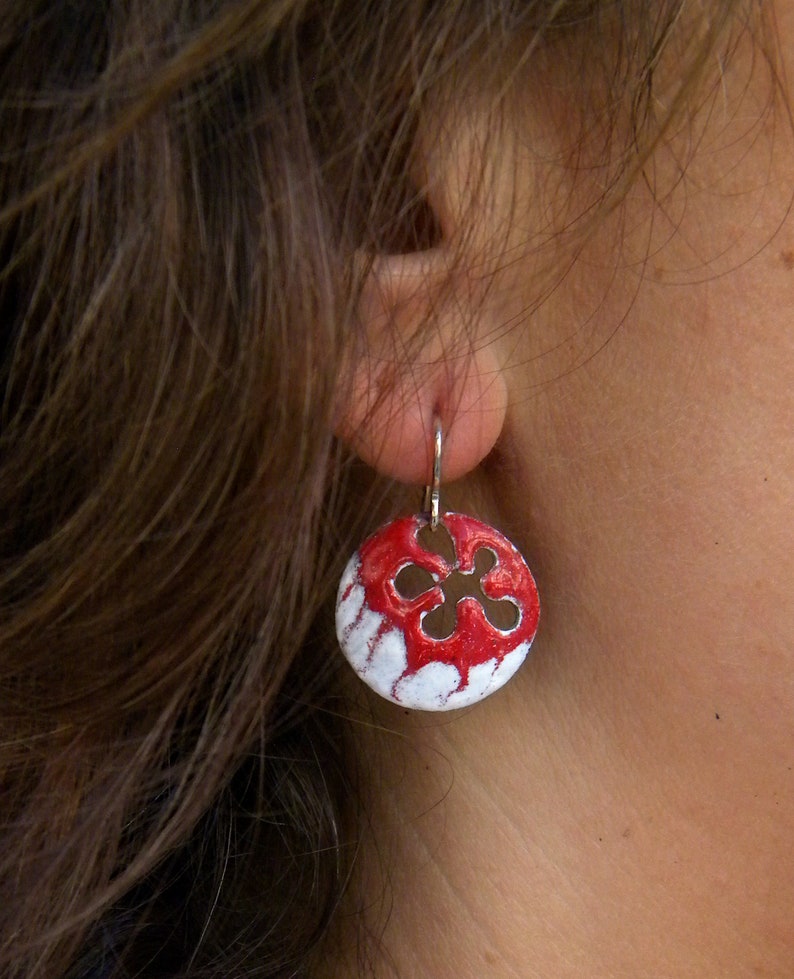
{"points": [[383, 629]]}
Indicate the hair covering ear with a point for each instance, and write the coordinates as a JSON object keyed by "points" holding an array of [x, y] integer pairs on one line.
{"points": [[427, 347], [421, 359]]}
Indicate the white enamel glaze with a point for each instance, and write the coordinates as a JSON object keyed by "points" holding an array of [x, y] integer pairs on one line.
{"points": [[380, 658]]}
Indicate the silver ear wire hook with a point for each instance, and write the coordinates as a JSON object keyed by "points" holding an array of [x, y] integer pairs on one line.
{"points": [[433, 490], [401, 662]]}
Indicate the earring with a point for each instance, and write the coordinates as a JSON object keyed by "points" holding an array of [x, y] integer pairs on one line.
{"points": [[433, 620]]}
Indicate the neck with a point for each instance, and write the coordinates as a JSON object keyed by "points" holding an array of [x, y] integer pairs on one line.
{"points": [[578, 828]]}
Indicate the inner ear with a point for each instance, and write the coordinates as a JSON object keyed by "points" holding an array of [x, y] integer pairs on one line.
{"points": [[413, 227]]}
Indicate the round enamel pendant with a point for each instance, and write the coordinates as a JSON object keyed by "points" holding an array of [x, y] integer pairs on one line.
{"points": [[434, 627]]}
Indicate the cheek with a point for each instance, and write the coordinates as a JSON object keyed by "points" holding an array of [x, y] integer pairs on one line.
{"points": [[658, 469]]}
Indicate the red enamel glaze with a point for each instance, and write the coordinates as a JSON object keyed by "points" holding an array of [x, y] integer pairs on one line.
{"points": [[475, 640]]}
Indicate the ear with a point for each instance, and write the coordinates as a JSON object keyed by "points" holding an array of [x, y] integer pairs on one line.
{"points": [[425, 346]]}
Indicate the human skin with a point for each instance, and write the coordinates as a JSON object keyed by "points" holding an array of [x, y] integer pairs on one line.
{"points": [[625, 807]]}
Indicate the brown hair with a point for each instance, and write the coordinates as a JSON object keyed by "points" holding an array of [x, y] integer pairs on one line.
{"points": [[183, 188]]}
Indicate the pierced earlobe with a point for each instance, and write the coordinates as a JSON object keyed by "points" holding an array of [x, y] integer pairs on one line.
{"points": [[418, 359], [384, 628]]}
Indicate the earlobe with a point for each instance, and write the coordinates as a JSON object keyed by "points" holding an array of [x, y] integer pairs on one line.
{"points": [[428, 344], [421, 356]]}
